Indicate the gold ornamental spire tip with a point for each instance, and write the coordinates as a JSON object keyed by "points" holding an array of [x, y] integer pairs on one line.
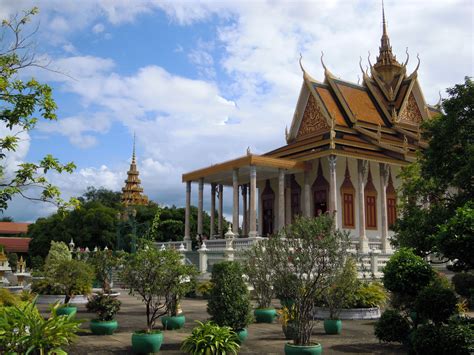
{"points": [[133, 152]]}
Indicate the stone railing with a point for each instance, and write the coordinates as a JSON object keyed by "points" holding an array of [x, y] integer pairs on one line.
{"points": [[369, 265]]}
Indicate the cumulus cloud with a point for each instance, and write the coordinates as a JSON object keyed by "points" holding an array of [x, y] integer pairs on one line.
{"points": [[98, 28]]}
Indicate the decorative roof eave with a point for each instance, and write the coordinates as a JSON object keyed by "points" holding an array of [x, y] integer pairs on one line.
{"points": [[415, 136], [405, 99], [248, 160]]}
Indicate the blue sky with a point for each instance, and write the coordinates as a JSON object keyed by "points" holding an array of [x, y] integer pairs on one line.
{"points": [[200, 81]]}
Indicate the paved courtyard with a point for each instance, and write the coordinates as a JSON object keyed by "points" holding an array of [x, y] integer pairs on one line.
{"points": [[357, 337]]}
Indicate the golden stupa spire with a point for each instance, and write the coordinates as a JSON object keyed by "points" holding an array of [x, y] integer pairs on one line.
{"points": [[132, 192], [385, 57]]}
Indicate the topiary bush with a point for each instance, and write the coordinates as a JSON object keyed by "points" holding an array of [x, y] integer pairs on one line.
{"points": [[392, 326], [407, 273], [436, 302], [369, 295], [229, 302]]}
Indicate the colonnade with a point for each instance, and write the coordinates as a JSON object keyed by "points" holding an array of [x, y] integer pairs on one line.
{"points": [[283, 196]]}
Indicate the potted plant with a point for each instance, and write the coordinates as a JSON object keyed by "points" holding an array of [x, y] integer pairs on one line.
{"points": [[74, 277], [311, 251], [209, 338], [229, 302], [258, 270], [150, 274], [106, 307], [104, 262], [180, 283], [339, 294]]}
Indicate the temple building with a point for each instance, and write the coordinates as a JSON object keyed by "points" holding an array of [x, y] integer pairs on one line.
{"points": [[132, 192], [343, 152]]}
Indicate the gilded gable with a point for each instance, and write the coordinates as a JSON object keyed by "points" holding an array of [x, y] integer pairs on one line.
{"points": [[313, 119], [411, 113]]}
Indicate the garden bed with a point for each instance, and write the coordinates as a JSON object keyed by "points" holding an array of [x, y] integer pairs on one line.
{"points": [[350, 313]]}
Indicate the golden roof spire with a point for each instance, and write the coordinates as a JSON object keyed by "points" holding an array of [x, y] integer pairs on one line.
{"points": [[385, 57], [132, 192]]}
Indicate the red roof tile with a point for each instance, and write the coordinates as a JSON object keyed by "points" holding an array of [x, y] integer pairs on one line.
{"points": [[13, 228], [15, 244]]}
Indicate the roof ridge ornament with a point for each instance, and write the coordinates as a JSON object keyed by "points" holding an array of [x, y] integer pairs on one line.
{"points": [[408, 57]]}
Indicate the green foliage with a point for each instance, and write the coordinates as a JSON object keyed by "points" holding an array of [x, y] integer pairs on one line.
{"points": [[7, 298], [46, 287], [103, 262], [392, 326], [368, 295], [436, 302], [36, 263], [316, 251], [104, 305], [209, 339], [74, 277], [58, 252], [406, 274], [455, 338], [464, 284], [436, 211], [258, 268], [155, 275], [107, 198], [23, 330], [204, 289], [12, 260], [19, 102], [344, 285], [229, 303]]}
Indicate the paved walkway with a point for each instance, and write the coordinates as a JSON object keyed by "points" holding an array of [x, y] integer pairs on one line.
{"points": [[357, 337]]}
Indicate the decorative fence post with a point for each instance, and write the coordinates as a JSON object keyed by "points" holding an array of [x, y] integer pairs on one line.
{"points": [[229, 240], [182, 252], [203, 258], [374, 262]]}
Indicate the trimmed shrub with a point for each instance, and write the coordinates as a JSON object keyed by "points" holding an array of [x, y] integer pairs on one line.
{"points": [[436, 302], [7, 298], [204, 289], [392, 326], [455, 338], [407, 273], [229, 302]]}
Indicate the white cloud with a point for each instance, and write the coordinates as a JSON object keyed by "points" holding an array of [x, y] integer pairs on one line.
{"points": [[98, 28]]}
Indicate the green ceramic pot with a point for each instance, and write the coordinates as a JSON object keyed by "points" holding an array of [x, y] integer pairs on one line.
{"points": [[145, 343], [242, 334], [314, 349], [173, 322], [99, 327], [65, 311], [332, 326], [265, 315]]}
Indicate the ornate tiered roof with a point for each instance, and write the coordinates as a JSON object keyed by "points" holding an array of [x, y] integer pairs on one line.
{"points": [[378, 119], [132, 193]]}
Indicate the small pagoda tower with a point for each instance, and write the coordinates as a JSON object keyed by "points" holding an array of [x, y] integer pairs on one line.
{"points": [[132, 192]]}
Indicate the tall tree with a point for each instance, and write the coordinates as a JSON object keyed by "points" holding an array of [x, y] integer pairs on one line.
{"points": [[437, 193], [20, 102]]}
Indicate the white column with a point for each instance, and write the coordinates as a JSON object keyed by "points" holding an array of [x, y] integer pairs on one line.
{"points": [[386, 248], [281, 199], [307, 195], [221, 203], [332, 187], [260, 212], [361, 170], [213, 210], [235, 212], [287, 200], [200, 206], [187, 234], [252, 208], [244, 210]]}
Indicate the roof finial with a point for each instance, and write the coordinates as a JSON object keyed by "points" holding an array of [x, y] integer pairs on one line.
{"points": [[133, 153], [383, 20], [301, 64], [322, 62], [408, 57]]}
